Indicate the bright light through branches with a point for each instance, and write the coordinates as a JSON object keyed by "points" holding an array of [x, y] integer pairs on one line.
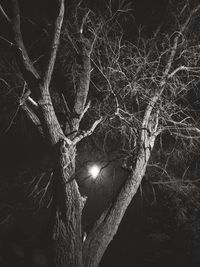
{"points": [[94, 171]]}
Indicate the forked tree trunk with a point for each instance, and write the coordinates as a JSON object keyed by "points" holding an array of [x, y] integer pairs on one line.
{"points": [[68, 249]]}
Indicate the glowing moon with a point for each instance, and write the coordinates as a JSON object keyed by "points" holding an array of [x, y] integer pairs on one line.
{"points": [[94, 171]]}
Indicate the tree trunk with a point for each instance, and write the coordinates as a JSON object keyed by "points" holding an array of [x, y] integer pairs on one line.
{"points": [[68, 205], [66, 238], [67, 242]]}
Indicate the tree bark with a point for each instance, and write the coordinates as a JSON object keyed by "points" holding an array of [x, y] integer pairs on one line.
{"points": [[67, 234]]}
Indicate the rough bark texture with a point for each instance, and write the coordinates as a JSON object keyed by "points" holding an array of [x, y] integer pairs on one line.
{"points": [[67, 236], [82, 91]]}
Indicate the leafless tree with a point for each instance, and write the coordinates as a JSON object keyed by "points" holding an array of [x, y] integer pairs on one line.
{"points": [[141, 84]]}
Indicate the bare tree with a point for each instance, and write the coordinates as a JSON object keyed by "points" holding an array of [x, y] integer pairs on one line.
{"points": [[141, 83]]}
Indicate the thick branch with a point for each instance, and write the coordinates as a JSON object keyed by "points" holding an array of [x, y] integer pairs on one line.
{"points": [[49, 122], [30, 73], [54, 45], [87, 47], [82, 91]]}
